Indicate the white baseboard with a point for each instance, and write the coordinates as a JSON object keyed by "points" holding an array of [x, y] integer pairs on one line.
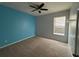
{"points": [[16, 42]]}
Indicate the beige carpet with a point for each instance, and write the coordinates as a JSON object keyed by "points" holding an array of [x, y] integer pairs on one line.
{"points": [[37, 47]]}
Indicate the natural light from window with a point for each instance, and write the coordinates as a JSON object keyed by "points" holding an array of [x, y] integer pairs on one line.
{"points": [[59, 25]]}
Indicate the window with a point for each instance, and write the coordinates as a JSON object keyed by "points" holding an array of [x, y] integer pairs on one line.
{"points": [[59, 25]]}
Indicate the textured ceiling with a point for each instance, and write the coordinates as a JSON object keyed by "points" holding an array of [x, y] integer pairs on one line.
{"points": [[52, 7]]}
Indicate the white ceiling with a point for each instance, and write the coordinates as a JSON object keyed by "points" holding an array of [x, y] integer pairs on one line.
{"points": [[51, 6]]}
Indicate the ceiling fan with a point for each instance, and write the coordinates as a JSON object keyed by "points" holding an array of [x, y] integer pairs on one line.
{"points": [[38, 8]]}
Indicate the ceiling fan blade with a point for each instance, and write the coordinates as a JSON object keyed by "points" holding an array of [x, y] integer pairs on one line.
{"points": [[41, 5], [39, 11], [34, 10], [44, 9], [33, 6]]}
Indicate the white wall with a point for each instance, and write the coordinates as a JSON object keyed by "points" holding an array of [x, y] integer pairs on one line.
{"points": [[45, 26]]}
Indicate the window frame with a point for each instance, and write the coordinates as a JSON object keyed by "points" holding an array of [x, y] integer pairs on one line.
{"points": [[54, 26]]}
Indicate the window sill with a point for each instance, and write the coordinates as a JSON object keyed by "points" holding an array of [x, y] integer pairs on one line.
{"points": [[58, 34]]}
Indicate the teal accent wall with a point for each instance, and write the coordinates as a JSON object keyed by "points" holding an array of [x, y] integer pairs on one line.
{"points": [[15, 25]]}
